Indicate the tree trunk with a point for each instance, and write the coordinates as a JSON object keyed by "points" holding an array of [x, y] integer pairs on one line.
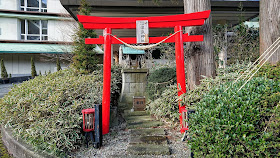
{"points": [[199, 55], [269, 26]]}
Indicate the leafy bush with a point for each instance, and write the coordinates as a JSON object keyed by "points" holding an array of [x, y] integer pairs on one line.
{"points": [[166, 105], [158, 80], [270, 71], [46, 111], [240, 42], [237, 124], [116, 84]]}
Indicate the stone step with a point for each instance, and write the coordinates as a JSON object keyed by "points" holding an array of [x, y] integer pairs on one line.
{"points": [[148, 149], [144, 124], [134, 113], [158, 140], [132, 119], [147, 132], [133, 122]]}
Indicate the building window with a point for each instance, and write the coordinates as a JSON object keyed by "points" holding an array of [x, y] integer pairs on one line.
{"points": [[34, 30], [33, 5]]}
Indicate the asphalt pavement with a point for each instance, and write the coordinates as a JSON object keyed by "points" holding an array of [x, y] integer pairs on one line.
{"points": [[4, 89]]}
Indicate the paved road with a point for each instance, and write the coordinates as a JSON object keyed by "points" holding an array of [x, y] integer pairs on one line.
{"points": [[4, 89]]}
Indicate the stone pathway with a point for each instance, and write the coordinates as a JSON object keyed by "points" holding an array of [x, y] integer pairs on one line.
{"points": [[145, 137], [138, 136]]}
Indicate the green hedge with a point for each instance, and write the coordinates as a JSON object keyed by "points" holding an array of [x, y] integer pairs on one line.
{"points": [[270, 71], [166, 105], [238, 124], [46, 111], [158, 80]]}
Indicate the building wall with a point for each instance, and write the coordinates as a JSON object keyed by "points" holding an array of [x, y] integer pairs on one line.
{"points": [[20, 64], [54, 6], [9, 29], [61, 30], [9, 4], [58, 30]]}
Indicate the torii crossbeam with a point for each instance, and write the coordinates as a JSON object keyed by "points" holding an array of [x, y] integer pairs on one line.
{"points": [[171, 21]]}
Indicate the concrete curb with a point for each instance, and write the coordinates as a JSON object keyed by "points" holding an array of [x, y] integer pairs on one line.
{"points": [[18, 148]]}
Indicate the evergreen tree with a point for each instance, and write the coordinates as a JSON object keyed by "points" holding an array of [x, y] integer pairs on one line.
{"points": [[84, 56], [33, 69], [4, 74], [58, 67]]}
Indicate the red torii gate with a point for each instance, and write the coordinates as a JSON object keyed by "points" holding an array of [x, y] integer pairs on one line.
{"points": [[109, 23]]}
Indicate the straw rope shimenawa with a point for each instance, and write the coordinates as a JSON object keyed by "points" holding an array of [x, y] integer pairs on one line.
{"points": [[146, 46]]}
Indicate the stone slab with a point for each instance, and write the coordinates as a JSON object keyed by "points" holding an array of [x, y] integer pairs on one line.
{"points": [[135, 71], [148, 149], [147, 131], [125, 87], [134, 113], [158, 140], [139, 118], [136, 88], [144, 124]]}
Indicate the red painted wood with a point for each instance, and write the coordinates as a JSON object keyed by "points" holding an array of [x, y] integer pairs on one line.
{"points": [[151, 25], [152, 19], [106, 81], [132, 40], [180, 68]]}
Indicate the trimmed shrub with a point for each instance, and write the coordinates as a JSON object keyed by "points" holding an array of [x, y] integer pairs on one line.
{"points": [[158, 81], [237, 124], [4, 73], [33, 69], [46, 111], [58, 67]]}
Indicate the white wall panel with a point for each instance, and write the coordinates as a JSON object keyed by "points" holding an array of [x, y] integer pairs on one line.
{"points": [[61, 30], [54, 6], [9, 29], [9, 4]]}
